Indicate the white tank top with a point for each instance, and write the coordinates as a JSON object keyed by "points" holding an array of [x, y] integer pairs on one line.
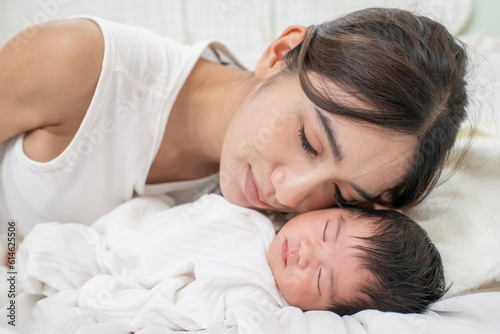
{"points": [[108, 160]]}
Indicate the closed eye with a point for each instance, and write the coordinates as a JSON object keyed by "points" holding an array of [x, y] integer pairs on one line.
{"points": [[306, 145], [338, 196], [319, 277], [324, 231], [341, 201]]}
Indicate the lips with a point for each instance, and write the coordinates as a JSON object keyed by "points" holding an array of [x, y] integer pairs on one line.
{"points": [[284, 252], [252, 192]]}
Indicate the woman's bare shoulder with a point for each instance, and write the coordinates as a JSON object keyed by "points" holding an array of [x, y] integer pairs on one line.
{"points": [[48, 75]]}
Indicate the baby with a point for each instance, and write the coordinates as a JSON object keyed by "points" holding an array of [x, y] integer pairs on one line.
{"points": [[185, 267], [349, 259]]}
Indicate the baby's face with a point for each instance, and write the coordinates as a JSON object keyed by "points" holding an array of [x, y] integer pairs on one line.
{"points": [[313, 261]]}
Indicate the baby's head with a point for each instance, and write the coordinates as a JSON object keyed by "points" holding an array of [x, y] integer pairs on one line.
{"points": [[349, 259]]}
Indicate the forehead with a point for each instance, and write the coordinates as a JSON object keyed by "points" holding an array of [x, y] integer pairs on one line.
{"points": [[371, 155], [340, 120], [348, 286], [372, 139], [350, 222], [348, 274]]}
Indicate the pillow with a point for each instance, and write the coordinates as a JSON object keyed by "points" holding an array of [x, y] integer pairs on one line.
{"points": [[462, 215]]}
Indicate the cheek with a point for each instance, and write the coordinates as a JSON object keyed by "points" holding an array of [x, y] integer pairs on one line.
{"points": [[292, 278], [249, 145], [274, 255], [292, 287], [237, 152], [232, 178], [276, 130], [321, 198]]}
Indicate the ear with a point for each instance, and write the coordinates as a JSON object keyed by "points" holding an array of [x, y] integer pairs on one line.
{"points": [[270, 60]]}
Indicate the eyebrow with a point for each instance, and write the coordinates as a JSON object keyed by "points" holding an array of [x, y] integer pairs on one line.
{"points": [[337, 234], [328, 129], [331, 294], [337, 149], [339, 226], [361, 192]]}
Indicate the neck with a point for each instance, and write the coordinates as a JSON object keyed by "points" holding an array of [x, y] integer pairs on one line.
{"points": [[207, 103], [198, 121]]}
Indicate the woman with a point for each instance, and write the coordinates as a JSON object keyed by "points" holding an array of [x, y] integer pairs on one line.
{"points": [[363, 108]]}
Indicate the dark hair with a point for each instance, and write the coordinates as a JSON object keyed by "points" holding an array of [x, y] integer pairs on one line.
{"points": [[407, 70], [406, 265]]}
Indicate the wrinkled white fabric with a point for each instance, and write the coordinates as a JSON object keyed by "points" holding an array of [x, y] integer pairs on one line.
{"points": [[144, 264]]}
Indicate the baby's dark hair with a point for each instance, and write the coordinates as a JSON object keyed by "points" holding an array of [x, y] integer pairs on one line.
{"points": [[406, 265]]}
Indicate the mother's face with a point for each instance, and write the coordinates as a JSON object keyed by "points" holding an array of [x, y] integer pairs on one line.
{"points": [[282, 153]]}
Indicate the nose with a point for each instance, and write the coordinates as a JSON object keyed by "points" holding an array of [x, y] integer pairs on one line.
{"points": [[291, 189], [311, 254]]}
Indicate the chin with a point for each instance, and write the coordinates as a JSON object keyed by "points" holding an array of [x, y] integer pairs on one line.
{"points": [[232, 195], [293, 302]]}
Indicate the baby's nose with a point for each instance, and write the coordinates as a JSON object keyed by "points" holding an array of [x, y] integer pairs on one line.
{"points": [[308, 254]]}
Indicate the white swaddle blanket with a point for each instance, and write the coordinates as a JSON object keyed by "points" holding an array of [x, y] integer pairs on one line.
{"points": [[144, 265]]}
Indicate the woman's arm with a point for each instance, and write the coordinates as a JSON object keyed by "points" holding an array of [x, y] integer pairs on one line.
{"points": [[48, 75]]}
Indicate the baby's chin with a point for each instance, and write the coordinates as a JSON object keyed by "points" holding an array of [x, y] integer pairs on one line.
{"points": [[288, 292], [290, 301]]}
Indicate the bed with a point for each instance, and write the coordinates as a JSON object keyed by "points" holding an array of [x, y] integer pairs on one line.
{"points": [[462, 215]]}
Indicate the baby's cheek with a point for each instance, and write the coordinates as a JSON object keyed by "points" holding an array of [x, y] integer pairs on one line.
{"points": [[291, 287]]}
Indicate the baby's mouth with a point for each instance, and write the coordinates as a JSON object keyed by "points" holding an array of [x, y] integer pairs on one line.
{"points": [[284, 252]]}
